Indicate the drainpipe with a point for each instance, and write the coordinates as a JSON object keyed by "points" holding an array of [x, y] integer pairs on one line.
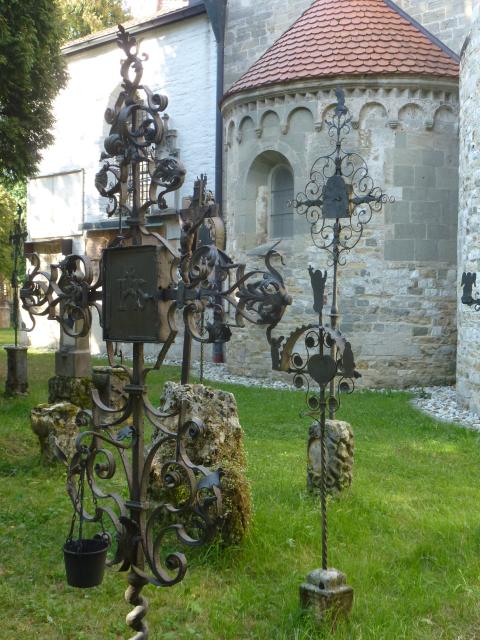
{"points": [[216, 10]]}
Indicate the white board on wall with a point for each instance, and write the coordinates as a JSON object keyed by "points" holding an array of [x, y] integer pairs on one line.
{"points": [[55, 205]]}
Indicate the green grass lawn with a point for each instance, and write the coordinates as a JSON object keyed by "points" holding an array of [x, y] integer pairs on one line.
{"points": [[407, 534]]}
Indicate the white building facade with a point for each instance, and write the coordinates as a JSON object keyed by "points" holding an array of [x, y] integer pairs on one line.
{"points": [[63, 202]]}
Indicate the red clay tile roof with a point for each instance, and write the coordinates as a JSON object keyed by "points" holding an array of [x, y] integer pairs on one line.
{"points": [[350, 37]]}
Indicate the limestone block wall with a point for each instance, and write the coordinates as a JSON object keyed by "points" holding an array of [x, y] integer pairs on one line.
{"points": [[468, 358], [398, 288], [252, 27]]}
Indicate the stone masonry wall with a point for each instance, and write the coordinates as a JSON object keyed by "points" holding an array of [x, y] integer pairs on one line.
{"points": [[252, 27], [398, 288], [468, 360]]}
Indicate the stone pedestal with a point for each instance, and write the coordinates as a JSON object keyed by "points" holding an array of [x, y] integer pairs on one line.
{"points": [[73, 360], [17, 371], [327, 594], [55, 421], [340, 449], [221, 446], [4, 315]]}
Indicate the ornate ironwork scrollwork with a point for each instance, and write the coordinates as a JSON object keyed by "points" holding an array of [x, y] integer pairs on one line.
{"points": [[65, 293], [136, 136], [192, 501], [145, 279], [340, 197]]}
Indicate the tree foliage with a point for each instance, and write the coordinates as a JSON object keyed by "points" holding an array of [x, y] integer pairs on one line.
{"points": [[32, 71], [82, 17], [8, 209]]}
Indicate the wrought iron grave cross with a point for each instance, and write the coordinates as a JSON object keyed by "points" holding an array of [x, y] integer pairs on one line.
{"points": [[144, 282]]}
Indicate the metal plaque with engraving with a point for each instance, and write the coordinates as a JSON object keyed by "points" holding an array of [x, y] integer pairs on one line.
{"points": [[133, 310]]}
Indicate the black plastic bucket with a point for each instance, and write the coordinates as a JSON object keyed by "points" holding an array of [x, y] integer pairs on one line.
{"points": [[85, 562]]}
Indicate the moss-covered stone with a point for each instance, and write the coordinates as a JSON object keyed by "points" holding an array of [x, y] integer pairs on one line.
{"points": [[109, 381], [220, 446], [55, 421], [75, 390], [340, 449]]}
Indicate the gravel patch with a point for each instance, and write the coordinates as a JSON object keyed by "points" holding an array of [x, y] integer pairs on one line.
{"points": [[219, 373], [441, 403]]}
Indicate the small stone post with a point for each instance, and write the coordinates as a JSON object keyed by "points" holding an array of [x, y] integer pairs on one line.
{"points": [[17, 371], [73, 370], [327, 594]]}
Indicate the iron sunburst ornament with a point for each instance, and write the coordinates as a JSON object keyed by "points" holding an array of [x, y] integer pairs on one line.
{"points": [[340, 197]]}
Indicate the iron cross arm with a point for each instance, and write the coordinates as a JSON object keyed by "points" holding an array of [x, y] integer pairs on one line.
{"points": [[257, 296], [65, 293]]}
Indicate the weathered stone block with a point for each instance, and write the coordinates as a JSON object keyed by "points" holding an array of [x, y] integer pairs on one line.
{"points": [[67, 389], [447, 250], [110, 383], [433, 158], [57, 421], [221, 446], [340, 443], [73, 363], [399, 250], [426, 250], [421, 331], [425, 176], [403, 175], [326, 592], [440, 232], [398, 212], [426, 211], [406, 231]]}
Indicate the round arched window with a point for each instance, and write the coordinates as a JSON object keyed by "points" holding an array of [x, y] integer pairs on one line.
{"points": [[281, 217]]}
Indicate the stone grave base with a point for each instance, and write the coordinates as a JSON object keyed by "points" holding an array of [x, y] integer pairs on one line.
{"points": [[74, 390], [221, 446], [67, 397], [327, 594]]}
